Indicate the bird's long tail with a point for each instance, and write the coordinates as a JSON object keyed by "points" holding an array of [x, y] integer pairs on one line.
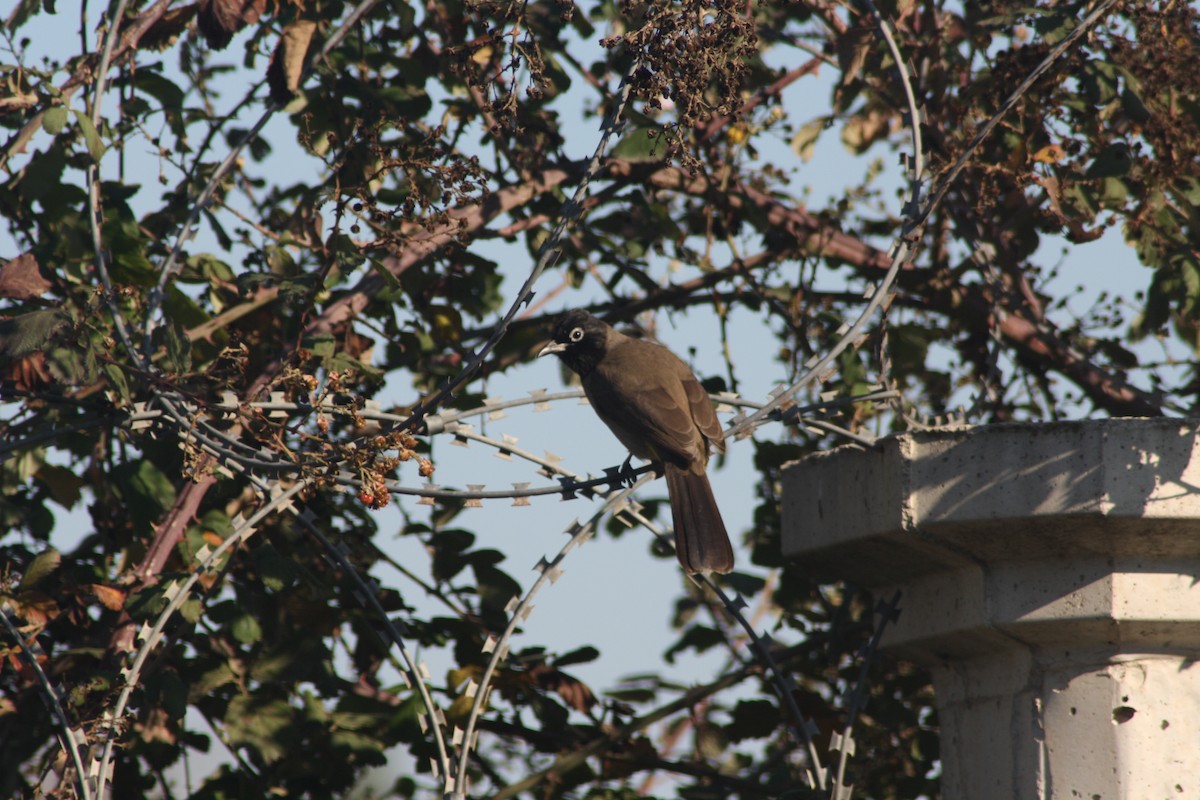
{"points": [[701, 542]]}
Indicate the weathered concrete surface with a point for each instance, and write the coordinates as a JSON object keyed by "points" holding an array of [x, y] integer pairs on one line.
{"points": [[1051, 579]]}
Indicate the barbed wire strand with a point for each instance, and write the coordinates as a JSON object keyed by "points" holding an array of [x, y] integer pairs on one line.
{"points": [[902, 252], [843, 742], [943, 185], [177, 593], [369, 595], [68, 739]]}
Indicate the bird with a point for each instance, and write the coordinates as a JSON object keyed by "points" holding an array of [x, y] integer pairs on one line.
{"points": [[654, 404]]}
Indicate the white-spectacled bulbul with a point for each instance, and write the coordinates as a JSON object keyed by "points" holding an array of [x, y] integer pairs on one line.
{"points": [[654, 404]]}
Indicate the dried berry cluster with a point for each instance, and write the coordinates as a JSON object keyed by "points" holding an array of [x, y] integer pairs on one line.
{"points": [[373, 468], [433, 178], [693, 54], [368, 456]]}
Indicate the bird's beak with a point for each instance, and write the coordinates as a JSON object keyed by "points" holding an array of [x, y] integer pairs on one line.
{"points": [[553, 347]]}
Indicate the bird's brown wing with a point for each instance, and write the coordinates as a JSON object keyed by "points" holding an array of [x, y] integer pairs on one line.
{"points": [[640, 391], [703, 413]]}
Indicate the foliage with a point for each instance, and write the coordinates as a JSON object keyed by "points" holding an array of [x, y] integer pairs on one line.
{"points": [[356, 243]]}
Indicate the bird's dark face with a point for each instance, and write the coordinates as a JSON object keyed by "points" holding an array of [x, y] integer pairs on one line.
{"points": [[579, 340]]}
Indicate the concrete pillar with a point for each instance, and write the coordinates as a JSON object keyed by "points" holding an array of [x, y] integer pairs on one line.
{"points": [[1051, 579]]}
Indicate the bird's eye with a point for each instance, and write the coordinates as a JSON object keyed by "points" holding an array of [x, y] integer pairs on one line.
{"points": [[576, 334]]}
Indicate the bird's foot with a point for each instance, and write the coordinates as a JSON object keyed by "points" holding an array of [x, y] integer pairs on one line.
{"points": [[628, 476]]}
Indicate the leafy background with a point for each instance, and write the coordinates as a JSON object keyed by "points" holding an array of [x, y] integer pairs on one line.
{"points": [[172, 265]]}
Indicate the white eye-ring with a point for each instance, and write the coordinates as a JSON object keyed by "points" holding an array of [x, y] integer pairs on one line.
{"points": [[576, 334]]}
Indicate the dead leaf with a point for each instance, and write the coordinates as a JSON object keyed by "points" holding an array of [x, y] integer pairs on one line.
{"points": [[17, 102], [219, 20], [64, 484], [358, 347], [288, 60], [852, 49], [111, 598], [36, 607], [156, 727], [574, 692], [21, 279], [29, 372], [483, 55], [1050, 154], [167, 28]]}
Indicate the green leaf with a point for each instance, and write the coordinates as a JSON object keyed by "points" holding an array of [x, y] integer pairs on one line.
{"points": [[496, 587], [262, 724], [192, 609], [275, 571], [753, 719], [246, 629], [21, 12], [206, 268], [745, 584], [384, 273], [804, 142], [581, 655], [1189, 270], [639, 145], [147, 490], [1054, 26], [208, 682], [118, 382], [179, 349], [1188, 187], [64, 485], [173, 694], [28, 333], [91, 136], [46, 562], [54, 120], [155, 85], [322, 346], [182, 310], [632, 695], [294, 291], [1112, 162], [1158, 302], [696, 637]]}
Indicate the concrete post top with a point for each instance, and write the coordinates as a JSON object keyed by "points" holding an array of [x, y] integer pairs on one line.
{"points": [[1051, 580], [926, 501]]}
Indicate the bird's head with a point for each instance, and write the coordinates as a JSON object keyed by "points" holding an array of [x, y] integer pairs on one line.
{"points": [[579, 340]]}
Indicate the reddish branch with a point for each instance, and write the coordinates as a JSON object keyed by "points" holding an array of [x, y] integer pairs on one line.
{"points": [[1036, 342], [764, 94], [464, 222]]}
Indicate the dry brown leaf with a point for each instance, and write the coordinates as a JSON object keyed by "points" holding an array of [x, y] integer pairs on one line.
{"points": [[167, 28], [21, 279], [1050, 154], [29, 372], [853, 46], [156, 727], [111, 598], [574, 692], [219, 20], [288, 60], [35, 607]]}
